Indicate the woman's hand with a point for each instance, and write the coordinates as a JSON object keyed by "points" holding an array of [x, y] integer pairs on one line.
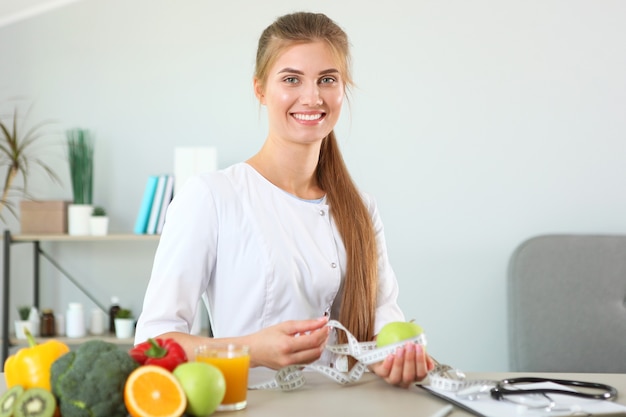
{"points": [[289, 343], [406, 366]]}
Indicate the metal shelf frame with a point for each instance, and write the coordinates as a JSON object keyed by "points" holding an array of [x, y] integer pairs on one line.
{"points": [[38, 253]]}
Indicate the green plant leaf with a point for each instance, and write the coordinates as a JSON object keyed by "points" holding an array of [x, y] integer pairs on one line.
{"points": [[80, 154], [18, 154]]}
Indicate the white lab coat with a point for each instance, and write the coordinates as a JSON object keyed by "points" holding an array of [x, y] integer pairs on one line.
{"points": [[261, 255]]}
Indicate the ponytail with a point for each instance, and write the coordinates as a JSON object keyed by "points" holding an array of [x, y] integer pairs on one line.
{"points": [[358, 302]]}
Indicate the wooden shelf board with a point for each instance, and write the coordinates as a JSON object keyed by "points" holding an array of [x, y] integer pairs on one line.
{"points": [[75, 340], [85, 238]]}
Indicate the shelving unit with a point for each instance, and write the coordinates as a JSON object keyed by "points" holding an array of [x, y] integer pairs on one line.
{"points": [[111, 338], [36, 241]]}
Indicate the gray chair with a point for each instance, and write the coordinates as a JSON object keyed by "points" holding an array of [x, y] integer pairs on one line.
{"points": [[566, 304]]}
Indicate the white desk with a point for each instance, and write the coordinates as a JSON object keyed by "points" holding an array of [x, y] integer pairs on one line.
{"points": [[369, 397]]}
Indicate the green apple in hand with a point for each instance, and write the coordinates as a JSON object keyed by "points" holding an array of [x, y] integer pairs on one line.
{"points": [[204, 387], [397, 331]]}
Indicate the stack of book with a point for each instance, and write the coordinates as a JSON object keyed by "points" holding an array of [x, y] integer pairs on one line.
{"points": [[156, 197]]}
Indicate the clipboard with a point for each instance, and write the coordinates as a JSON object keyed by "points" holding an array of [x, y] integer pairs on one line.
{"points": [[489, 407]]}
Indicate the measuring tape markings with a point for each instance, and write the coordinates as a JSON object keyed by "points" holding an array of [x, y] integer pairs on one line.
{"points": [[445, 383], [366, 353], [290, 378]]}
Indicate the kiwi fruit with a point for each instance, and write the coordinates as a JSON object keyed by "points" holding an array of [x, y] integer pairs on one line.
{"points": [[8, 400], [35, 402]]}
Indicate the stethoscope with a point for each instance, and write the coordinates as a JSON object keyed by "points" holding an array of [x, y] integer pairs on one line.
{"points": [[607, 392]]}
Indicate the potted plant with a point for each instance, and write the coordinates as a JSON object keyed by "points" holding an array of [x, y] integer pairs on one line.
{"points": [[18, 150], [80, 155], [23, 322], [99, 222], [124, 324]]}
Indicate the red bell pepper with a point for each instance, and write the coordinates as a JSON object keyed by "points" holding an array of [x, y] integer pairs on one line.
{"points": [[165, 353]]}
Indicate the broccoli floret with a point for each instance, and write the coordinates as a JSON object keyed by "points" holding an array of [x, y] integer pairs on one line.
{"points": [[89, 382]]}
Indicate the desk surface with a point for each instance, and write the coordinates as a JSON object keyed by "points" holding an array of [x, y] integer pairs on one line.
{"points": [[369, 397]]}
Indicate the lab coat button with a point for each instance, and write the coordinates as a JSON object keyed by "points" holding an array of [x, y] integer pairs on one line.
{"points": [[334, 265], [322, 212]]}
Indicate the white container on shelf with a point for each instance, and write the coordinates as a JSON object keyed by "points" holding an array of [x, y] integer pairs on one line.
{"points": [[20, 325], [59, 320], [98, 225], [78, 216], [124, 328], [33, 317], [96, 326], [75, 320]]}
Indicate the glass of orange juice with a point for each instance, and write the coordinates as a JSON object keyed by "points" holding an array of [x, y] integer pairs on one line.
{"points": [[234, 362]]}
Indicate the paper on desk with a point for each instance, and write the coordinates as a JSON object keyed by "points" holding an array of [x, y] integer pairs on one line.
{"points": [[489, 407]]}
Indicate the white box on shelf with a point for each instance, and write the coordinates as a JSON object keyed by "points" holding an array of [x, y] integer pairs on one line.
{"points": [[191, 160]]}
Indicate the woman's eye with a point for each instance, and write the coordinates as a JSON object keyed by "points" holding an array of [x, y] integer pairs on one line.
{"points": [[291, 80], [327, 80]]}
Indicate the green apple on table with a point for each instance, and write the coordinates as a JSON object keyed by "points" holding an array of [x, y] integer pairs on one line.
{"points": [[204, 386], [397, 331]]}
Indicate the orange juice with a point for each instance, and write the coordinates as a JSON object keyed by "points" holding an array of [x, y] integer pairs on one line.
{"points": [[234, 362]]}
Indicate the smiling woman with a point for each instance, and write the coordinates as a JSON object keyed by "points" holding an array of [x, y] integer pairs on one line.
{"points": [[283, 242], [303, 95], [464, 116]]}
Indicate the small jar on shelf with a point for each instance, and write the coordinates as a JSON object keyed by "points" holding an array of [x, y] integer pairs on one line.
{"points": [[47, 323]]}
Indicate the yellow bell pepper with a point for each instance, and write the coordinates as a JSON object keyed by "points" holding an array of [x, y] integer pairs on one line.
{"points": [[30, 366]]}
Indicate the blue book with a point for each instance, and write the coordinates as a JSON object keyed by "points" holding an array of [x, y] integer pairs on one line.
{"points": [[156, 205], [167, 198], [141, 224]]}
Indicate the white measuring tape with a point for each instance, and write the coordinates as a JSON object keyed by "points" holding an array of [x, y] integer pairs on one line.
{"points": [[366, 353], [446, 378]]}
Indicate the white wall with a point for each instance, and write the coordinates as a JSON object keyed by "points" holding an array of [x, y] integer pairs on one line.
{"points": [[476, 125]]}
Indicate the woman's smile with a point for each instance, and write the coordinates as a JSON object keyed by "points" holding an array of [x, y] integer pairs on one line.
{"points": [[308, 118], [303, 93]]}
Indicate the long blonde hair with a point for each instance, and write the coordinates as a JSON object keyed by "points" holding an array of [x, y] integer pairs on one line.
{"points": [[358, 303]]}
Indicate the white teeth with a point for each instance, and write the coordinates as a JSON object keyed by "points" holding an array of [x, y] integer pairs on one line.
{"points": [[307, 116]]}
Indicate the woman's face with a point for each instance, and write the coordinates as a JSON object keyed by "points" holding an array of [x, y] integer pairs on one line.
{"points": [[303, 93]]}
